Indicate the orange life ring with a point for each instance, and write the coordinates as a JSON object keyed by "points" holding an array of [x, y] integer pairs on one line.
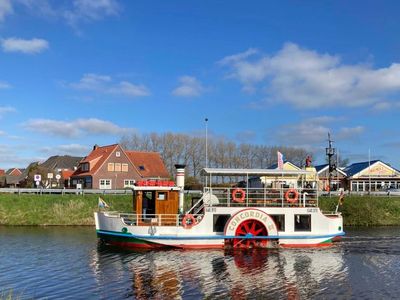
{"points": [[187, 218], [235, 197], [327, 188], [288, 196]]}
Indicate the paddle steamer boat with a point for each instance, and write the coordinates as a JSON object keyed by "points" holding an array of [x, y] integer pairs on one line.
{"points": [[260, 210]]}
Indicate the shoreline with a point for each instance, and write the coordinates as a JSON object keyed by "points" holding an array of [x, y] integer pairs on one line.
{"points": [[78, 210]]}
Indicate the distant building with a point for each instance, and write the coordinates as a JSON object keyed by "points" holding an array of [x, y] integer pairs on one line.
{"points": [[338, 178], [111, 167], [371, 176], [11, 178], [58, 170]]}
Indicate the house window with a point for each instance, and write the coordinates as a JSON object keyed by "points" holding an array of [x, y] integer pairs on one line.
{"points": [[110, 167], [124, 167], [141, 168], [117, 167], [129, 183], [105, 184], [117, 154], [302, 222]]}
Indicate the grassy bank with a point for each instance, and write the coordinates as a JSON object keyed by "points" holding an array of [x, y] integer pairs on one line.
{"points": [[78, 209], [365, 210], [56, 209]]}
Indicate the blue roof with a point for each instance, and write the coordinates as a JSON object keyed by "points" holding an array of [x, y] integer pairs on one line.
{"points": [[358, 167], [320, 167]]}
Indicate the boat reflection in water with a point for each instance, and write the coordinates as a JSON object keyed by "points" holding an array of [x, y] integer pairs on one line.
{"points": [[271, 274]]}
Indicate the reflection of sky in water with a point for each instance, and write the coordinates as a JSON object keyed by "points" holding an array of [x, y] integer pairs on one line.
{"points": [[62, 262]]}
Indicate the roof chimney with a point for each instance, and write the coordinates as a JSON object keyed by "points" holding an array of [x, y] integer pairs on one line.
{"points": [[95, 147]]}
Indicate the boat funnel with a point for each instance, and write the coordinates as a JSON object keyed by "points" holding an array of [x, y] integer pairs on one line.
{"points": [[180, 183]]}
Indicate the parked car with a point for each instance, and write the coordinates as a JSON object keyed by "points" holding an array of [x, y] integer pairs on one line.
{"points": [[393, 191]]}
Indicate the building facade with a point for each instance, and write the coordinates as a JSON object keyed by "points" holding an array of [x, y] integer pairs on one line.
{"points": [[111, 167], [371, 176]]}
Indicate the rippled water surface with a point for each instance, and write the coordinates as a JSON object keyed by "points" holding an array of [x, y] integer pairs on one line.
{"points": [[68, 263]]}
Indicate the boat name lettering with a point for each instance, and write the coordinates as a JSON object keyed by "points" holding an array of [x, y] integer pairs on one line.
{"points": [[312, 210], [247, 215]]}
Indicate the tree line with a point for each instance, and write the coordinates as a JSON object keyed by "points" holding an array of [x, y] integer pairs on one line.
{"points": [[191, 151]]}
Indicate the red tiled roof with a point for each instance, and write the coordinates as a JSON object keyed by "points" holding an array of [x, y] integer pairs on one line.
{"points": [[96, 158], [2, 172], [65, 174], [149, 164]]}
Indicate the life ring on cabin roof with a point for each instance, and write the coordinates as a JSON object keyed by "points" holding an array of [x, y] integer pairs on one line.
{"points": [[240, 198], [291, 195], [188, 221]]}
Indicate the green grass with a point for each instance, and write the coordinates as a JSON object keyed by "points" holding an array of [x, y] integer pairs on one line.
{"points": [[56, 209], [365, 210], [36, 209]]}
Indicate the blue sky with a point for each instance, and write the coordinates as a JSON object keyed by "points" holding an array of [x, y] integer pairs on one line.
{"points": [[76, 73]]}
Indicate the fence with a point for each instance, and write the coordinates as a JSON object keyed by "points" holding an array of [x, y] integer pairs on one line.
{"points": [[42, 191]]}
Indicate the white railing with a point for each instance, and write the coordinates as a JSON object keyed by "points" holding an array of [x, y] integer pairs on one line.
{"points": [[262, 197], [151, 219]]}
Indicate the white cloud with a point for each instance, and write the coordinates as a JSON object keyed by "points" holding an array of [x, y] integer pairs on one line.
{"points": [[313, 132], [32, 46], [106, 85], [91, 10], [347, 133], [6, 109], [189, 87], [69, 149], [75, 128], [3, 84], [5, 9], [385, 106], [308, 79]]}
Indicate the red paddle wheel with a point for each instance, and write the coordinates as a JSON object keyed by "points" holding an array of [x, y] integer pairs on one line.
{"points": [[250, 228]]}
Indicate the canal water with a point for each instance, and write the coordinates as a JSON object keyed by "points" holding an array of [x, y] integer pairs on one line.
{"points": [[68, 263]]}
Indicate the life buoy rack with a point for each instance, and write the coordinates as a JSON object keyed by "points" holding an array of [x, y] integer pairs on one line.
{"points": [[188, 221], [291, 195], [240, 198]]}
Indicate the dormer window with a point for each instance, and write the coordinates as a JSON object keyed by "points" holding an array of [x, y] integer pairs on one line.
{"points": [[85, 167], [117, 154], [141, 168]]}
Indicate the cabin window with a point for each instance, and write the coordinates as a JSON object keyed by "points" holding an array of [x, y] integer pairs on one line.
{"points": [[219, 222], [161, 196], [302, 222], [105, 184], [129, 183], [117, 167], [124, 167], [279, 221], [110, 167]]}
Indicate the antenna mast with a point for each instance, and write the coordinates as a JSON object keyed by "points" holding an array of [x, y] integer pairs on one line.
{"points": [[330, 152]]}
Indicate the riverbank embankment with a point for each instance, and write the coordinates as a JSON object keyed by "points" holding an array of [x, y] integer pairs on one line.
{"points": [[34, 209]]}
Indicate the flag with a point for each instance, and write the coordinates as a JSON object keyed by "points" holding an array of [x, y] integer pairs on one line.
{"points": [[280, 160], [102, 203]]}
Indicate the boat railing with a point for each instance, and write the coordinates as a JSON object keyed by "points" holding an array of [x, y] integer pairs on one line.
{"points": [[154, 219], [261, 197]]}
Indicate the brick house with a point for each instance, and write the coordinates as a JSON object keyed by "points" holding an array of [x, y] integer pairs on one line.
{"points": [[111, 167]]}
